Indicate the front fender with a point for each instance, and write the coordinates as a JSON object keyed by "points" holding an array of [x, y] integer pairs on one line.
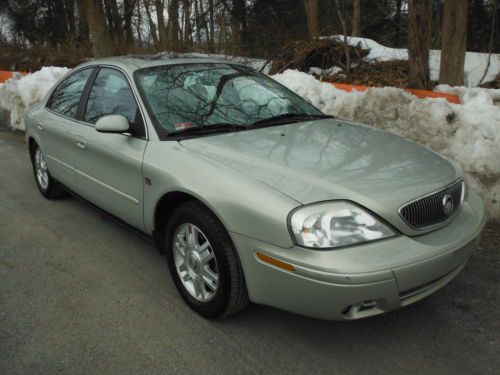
{"points": [[243, 205]]}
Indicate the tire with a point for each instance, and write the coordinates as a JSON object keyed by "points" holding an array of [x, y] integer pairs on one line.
{"points": [[49, 187], [220, 257]]}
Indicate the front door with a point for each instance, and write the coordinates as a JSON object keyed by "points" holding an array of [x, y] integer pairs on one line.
{"points": [[108, 167]]}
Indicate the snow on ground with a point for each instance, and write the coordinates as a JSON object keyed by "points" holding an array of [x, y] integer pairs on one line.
{"points": [[475, 63], [18, 93], [468, 133]]}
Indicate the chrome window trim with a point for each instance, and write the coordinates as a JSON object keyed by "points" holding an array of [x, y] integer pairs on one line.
{"points": [[444, 222]]}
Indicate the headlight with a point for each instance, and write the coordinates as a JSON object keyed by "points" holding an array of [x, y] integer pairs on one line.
{"points": [[335, 224]]}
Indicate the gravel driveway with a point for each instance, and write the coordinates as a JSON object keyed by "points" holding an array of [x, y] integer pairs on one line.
{"points": [[80, 294]]}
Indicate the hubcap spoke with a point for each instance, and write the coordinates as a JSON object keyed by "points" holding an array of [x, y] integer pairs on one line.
{"points": [[210, 278], [199, 288]]}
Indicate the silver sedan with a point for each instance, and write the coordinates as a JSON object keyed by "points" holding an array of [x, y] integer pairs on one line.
{"points": [[251, 192]]}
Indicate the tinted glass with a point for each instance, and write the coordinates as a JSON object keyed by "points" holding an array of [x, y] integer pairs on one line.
{"points": [[181, 96], [66, 96], [111, 95]]}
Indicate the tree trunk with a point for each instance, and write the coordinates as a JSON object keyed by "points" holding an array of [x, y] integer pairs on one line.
{"points": [[346, 41], [162, 31], [419, 35], [453, 42], [152, 26], [187, 22], [198, 22], [115, 23], [356, 19], [173, 24], [312, 13], [204, 19], [211, 43], [128, 11], [83, 26], [238, 25], [397, 24], [102, 43]]}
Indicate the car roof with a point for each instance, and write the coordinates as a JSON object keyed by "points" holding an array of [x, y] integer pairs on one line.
{"points": [[132, 63]]}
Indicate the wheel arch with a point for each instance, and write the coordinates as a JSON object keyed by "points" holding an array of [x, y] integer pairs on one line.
{"points": [[31, 143], [164, 207]]}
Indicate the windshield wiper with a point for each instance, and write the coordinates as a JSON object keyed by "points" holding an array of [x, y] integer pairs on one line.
{"points": [[286, 117], [206, 129]]}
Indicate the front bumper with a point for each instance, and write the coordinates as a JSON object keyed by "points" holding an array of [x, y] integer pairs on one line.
{"points": [[363, 280]]}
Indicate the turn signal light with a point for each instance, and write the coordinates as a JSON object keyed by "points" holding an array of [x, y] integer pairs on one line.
{"points": [[275, 262]]}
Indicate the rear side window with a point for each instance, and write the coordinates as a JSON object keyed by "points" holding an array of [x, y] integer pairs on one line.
{"points": [[112, 95], [66, 97]]}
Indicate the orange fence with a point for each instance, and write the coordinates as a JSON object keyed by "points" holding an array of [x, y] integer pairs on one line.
{"points": [[418, 93], [4, 75]]}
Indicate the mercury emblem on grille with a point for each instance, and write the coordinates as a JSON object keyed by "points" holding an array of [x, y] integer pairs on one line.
{"points": [[447, 205]]}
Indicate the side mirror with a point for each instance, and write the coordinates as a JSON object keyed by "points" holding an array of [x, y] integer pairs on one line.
{"points": [[112, 124]]}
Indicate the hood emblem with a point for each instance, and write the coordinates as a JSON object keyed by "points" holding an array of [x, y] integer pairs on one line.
{"points": [[447, 205]]}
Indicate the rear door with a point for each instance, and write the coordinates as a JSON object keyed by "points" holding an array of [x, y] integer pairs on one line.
{"points": [[58, 126], [108, 167]]}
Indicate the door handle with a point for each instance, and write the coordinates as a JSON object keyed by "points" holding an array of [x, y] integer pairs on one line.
{"points": [[81, 145]]}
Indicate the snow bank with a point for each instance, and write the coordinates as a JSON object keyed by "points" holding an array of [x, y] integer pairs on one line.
{"points": [[18, 93], [467, 133], [475, 63]]}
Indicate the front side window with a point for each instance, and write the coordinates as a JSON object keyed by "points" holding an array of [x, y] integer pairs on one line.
{"points": [[66, 97], [112, 95], [201, 95]]}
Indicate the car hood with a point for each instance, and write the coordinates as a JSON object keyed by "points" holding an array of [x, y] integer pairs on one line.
{"points": [[333, 159]]}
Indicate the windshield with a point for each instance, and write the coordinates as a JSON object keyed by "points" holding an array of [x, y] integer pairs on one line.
{"points": [[187, 96]]}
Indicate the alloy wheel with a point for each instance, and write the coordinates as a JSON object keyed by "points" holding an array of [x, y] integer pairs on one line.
{"points": [[195, 262], [41, 170]]}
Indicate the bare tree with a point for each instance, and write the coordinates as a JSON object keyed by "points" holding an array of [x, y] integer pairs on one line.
{"points": [[173, 24], [397, 24], [453, 42], [492, 41], [160, 21], [356, 18], [419, 36], [312, 12], [102, 44], [128, 12], [83, 26], [152, 26], [114, 22], [211, 43], [187, 21], [346, 41]]}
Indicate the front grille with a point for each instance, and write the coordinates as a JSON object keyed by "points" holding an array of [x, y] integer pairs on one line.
{"points": [[429, 210]]}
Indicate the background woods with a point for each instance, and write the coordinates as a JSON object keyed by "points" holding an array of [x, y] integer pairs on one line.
{"points": [[64, 32]]}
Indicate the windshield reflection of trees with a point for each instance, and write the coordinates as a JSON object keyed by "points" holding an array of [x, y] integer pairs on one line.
{"points": [[207, 95]]}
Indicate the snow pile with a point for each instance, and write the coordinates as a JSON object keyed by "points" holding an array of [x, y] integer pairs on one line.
{"points": [[475, 63], [467, 133], [18, 93]]}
